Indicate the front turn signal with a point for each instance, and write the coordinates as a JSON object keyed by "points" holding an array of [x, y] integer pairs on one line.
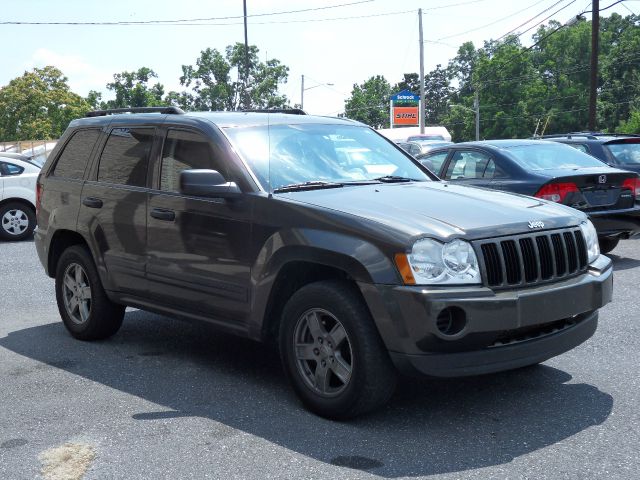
{"points": [[402, 264]]}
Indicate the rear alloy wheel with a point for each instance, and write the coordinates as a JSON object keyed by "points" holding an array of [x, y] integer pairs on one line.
{"points": [[85, 309], [17, 221], [332, 352], [607, 244]]}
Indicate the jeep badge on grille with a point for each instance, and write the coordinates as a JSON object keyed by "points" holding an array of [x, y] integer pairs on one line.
{"points": [[536, 224]]}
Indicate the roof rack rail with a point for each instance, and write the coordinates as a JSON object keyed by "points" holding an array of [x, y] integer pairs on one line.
{"points": [[113, 111], [589, 135], [290, 111]]}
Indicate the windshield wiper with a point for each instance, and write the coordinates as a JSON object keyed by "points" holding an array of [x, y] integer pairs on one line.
{"points": [[298, 187], [394, 178]]}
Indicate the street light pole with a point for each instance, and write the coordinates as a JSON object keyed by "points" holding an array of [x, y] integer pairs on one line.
{"points": [[302, 89], [246, 58], [593, 80], [421, 103]]}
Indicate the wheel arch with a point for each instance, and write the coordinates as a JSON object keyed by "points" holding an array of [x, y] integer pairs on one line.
{"points": [[60, 241], [23, 201], [284, 266]]}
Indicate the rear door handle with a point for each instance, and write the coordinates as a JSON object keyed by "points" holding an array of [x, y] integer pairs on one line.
{"points": [[162, 214], [92, 202]]}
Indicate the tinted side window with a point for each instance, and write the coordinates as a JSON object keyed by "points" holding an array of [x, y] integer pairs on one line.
{"points": [[74, 157], [10, 169], [435, 160], [467, 164], [579, 146], [185, 150], [125, 156]]}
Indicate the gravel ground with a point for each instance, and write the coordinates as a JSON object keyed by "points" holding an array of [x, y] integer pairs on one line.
{"points": [[167, 399]]}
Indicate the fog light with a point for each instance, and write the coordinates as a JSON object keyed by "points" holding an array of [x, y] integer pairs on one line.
{"points": [[451, 321]]}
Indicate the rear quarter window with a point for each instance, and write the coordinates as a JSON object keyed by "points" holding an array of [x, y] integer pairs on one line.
{"points": [[73, 159], [8, 169]]}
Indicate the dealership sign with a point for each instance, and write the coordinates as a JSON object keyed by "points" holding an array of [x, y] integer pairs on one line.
{"points": [[406, 115], [408, 112]]}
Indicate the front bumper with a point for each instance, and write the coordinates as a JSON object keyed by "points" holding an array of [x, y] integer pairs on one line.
{"points": [[501, 329], [616, 223]]}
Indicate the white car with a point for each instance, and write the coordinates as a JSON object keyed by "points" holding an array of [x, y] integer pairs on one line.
{"points": [[18, 176]]}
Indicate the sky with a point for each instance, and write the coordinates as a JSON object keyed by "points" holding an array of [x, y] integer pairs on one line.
{"points": [[334, 43]]}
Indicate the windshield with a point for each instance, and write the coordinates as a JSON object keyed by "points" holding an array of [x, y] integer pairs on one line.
{"points": [[319, 153], [546, 156], [626, 153]]}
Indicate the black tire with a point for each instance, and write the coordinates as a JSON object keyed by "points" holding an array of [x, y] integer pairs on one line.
{"points": [[372, 378], [13, 216], [101, 318], [607, 244]]}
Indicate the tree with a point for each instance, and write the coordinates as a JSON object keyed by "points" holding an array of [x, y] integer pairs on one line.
{"points": [[369, 102], [438, 93], [212, 87], [133, 89], [38, 105], [632, 125], [411, 82]]}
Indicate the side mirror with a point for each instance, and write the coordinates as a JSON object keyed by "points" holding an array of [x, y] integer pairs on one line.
{"points": [[206, 183]]}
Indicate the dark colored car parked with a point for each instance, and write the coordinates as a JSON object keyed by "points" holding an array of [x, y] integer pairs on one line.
{"points": [[316, 235], [620, 150], [551, 171]]}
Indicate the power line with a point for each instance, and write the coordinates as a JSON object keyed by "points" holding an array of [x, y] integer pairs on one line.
{"points": [[529, 20], [540, 40], [204, 21], [164, 22], [489, 24], [542, 21]]}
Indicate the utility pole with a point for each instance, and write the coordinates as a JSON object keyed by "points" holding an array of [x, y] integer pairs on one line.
{"points": [[302, 93], [476, 106], [593, 83], [246, 58], [422, 105]]}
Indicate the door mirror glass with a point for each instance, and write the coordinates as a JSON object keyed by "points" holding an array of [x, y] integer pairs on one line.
{"points": [[206, 183]]}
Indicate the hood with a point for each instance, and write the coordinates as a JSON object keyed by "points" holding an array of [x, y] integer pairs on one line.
{"points": [[442, 209]]}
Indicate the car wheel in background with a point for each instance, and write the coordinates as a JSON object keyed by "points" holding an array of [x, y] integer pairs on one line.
{"points": [[84, 306], [17, 221], [332, 352], [607, 244]]}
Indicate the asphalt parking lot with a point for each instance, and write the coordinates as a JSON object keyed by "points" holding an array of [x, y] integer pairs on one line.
{"points": [[167, 399]]}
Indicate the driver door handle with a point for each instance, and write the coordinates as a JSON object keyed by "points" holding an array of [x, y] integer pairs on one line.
{"points": [[92, 202], [162, 214]]}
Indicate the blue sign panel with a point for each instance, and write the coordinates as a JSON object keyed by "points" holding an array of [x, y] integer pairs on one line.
{"points": [[404, 96]]}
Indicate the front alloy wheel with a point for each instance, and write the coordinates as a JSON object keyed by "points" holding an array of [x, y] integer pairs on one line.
{"points": [[323, 352], [332, 352]]}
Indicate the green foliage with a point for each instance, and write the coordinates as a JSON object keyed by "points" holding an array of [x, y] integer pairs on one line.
{"points": [[223, 82], [522, 90], [38, 105], [632, 125], [133, 89], [369, 102]]}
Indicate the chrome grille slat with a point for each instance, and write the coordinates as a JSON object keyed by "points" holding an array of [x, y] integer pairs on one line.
{"points": [[532, 258]]}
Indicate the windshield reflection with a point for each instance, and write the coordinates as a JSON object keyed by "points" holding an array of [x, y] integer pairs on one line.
{"points": [[281, 155]]}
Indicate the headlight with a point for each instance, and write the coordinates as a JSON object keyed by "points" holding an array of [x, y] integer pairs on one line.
{"points": [[435, 263], [591, 238]]}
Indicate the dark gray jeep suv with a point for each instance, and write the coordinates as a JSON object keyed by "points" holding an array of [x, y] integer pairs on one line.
{"points": [[317, 235]]}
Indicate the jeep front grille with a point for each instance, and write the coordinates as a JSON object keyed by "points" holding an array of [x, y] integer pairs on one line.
{"points": [[529, 259]]}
